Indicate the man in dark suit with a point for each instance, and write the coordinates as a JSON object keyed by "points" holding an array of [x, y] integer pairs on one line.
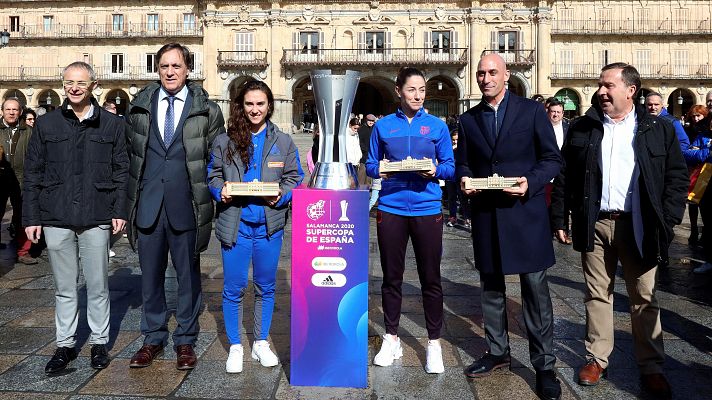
{"points": [[170, 130], [625, 182], [512, 137], [555, 112]]}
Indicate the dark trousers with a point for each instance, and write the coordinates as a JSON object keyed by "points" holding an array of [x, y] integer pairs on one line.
{"points": [[538, 317], [426, 232], [455, 196], [154, 243]]}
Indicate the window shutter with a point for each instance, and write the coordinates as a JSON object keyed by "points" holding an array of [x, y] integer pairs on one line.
{"points": [[107, 63], [250, 41], [388, 45], [321, 45], [494, 43], [454, 54], [295, 40], [520, 40]]}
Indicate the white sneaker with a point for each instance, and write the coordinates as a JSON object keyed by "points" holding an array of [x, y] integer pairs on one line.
{"points": [[262, 353], [112, 254], [703, 269], [234, 359], [390, 350], [434, 358]]}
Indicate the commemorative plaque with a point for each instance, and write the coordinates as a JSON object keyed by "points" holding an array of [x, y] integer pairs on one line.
{"points": [[407, 165], [254, 188], [493, 182]]}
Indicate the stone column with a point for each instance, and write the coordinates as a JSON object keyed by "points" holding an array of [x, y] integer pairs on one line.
{"points": [[476, 25], [542, 84]]}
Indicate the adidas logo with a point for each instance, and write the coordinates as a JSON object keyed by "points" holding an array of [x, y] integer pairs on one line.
{"points": [[328, 280]]}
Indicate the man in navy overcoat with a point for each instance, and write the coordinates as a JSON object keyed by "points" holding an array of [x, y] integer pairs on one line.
{"points": [[512, 137]]}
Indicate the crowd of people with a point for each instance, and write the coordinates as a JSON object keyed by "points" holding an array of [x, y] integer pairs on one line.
{"points": [[612, 183]]}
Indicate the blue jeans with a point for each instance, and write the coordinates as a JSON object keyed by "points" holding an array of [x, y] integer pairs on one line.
{"points": [[252, 244]]}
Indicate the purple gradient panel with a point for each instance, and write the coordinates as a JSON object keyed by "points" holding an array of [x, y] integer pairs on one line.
{"points": [[329, 288]]}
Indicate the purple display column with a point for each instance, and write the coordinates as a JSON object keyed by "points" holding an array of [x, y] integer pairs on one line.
{"points": [[329, 343]]}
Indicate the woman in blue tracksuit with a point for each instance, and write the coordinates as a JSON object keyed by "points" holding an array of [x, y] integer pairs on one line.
{"points": [[251, 228], [409, 206]]}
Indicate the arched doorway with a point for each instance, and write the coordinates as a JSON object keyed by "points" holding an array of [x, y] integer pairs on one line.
{"points": [[304, 109], [680, 101], [516, 86], [375, 96], [15, 93], [120, 98], [48, 99], [571, 101], [441, 97]]}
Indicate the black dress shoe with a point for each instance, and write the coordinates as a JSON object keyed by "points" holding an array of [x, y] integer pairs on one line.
{"points": [[99, 356], [61, 358], [548, 386], [486, 364]]}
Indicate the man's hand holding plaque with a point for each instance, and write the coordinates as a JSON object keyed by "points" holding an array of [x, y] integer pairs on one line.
{"points": [[514, 186]]}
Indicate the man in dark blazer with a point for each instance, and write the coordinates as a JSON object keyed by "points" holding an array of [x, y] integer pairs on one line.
{"points": [[512, 137], [170, 130], [625, 182]]}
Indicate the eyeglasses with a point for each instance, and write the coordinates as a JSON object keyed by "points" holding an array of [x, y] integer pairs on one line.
{"points": [[79, 84]]}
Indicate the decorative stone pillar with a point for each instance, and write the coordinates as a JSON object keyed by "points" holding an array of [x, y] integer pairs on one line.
{"points": [[542, 19], [476, 23]]}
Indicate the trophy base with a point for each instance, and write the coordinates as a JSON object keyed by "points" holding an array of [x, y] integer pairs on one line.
{"points": [[334, 176]]}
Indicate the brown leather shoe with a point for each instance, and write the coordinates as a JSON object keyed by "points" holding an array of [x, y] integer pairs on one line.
{"points": [[145, 355], [657, 386], [186, 358], [591, 373]]}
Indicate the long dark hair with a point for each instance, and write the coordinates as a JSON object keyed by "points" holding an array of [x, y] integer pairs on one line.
{"points": [[238, 126]]}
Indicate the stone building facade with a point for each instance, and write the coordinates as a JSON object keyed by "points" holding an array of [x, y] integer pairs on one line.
{"points": [[553, 48]]}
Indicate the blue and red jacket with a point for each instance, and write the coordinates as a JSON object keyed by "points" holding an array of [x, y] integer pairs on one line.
{"points": [[394, 139]]}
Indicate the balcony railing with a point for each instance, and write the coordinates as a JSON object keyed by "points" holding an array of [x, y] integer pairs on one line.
{"points": [[128, 73], [456, 57], [137, 73], [242, 59], [650, 71], [94, 31], [521, 58], [22, 73], [631, 27]]}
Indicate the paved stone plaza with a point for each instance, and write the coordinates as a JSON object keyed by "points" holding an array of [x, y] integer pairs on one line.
{"points": [[27, 334]]}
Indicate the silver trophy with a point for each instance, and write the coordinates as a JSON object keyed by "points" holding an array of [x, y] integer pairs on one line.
{"points": [[334, 96]]}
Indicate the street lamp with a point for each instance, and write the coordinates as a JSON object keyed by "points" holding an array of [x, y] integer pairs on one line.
{"points": [[4, 38], [680, 100], [117, 101], [642, 98], [440, 86], [49, 99]]}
